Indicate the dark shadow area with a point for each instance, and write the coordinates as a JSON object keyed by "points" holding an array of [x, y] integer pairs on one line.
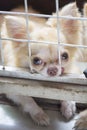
{"points": [[44, 6]]}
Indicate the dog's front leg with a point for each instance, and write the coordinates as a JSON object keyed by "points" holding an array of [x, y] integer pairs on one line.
{"points": [[68, 109], [29, 105]]}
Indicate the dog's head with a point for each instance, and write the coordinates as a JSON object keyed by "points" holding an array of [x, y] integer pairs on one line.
{"points": [[45, 57]]}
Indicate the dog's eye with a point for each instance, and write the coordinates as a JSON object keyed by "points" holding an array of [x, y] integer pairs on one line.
{"points": [[64, 56], [37, 61]]}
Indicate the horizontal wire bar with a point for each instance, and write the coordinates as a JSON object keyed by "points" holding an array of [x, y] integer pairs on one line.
{"points": [[44, 42], [24, 13], [14, 39], [43, 15], [71, 45]]}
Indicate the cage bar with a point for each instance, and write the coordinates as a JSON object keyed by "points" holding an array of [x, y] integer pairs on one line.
{"points": [[27, 31], [58, 32]]}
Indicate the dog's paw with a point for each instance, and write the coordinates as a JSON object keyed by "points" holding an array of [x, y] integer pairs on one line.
{"points": [[68, 109], [41, 118], [81, 122]]}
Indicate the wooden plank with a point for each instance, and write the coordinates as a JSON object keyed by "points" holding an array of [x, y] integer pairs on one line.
{"points": [[44, 89]]}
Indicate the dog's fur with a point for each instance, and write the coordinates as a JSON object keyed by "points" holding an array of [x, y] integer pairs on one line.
{"points": [[44, 57], [81, 122]]}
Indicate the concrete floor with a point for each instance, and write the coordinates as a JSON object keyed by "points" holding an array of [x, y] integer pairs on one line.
{"points": [[13, 119]]}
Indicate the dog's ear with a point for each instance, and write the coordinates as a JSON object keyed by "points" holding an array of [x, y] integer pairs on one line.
{"points": [[16, 27], [69, 23], [69, 26], [69, 10]]}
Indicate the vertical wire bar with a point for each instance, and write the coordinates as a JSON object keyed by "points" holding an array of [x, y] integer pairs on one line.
{"points": [[27, 29], [2, 54], [58, 32]]}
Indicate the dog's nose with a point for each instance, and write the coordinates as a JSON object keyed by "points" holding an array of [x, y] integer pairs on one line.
{"points": [[52, 71]]}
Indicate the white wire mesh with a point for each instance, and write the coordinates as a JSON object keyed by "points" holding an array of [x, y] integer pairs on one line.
{"points": [[27, 30], [27, 14], [58, 33], [42, 15]]}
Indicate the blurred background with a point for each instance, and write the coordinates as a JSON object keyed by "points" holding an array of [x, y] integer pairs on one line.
{"points": [[44, 6]]}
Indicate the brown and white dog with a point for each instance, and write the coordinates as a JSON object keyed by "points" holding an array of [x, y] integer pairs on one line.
{"points": [[44, 57]]}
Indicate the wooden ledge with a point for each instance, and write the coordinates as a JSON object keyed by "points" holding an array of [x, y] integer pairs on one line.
{"points": [[44, 89]]}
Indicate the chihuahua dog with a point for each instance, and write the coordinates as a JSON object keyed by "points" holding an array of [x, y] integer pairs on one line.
{"points": [[44, 57]]}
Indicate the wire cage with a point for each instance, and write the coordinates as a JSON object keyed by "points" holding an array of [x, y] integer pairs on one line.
{"points": [[22, 81]]}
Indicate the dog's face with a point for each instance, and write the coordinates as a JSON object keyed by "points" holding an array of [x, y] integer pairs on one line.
{"points": [[46, 61], [45, 57]]}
